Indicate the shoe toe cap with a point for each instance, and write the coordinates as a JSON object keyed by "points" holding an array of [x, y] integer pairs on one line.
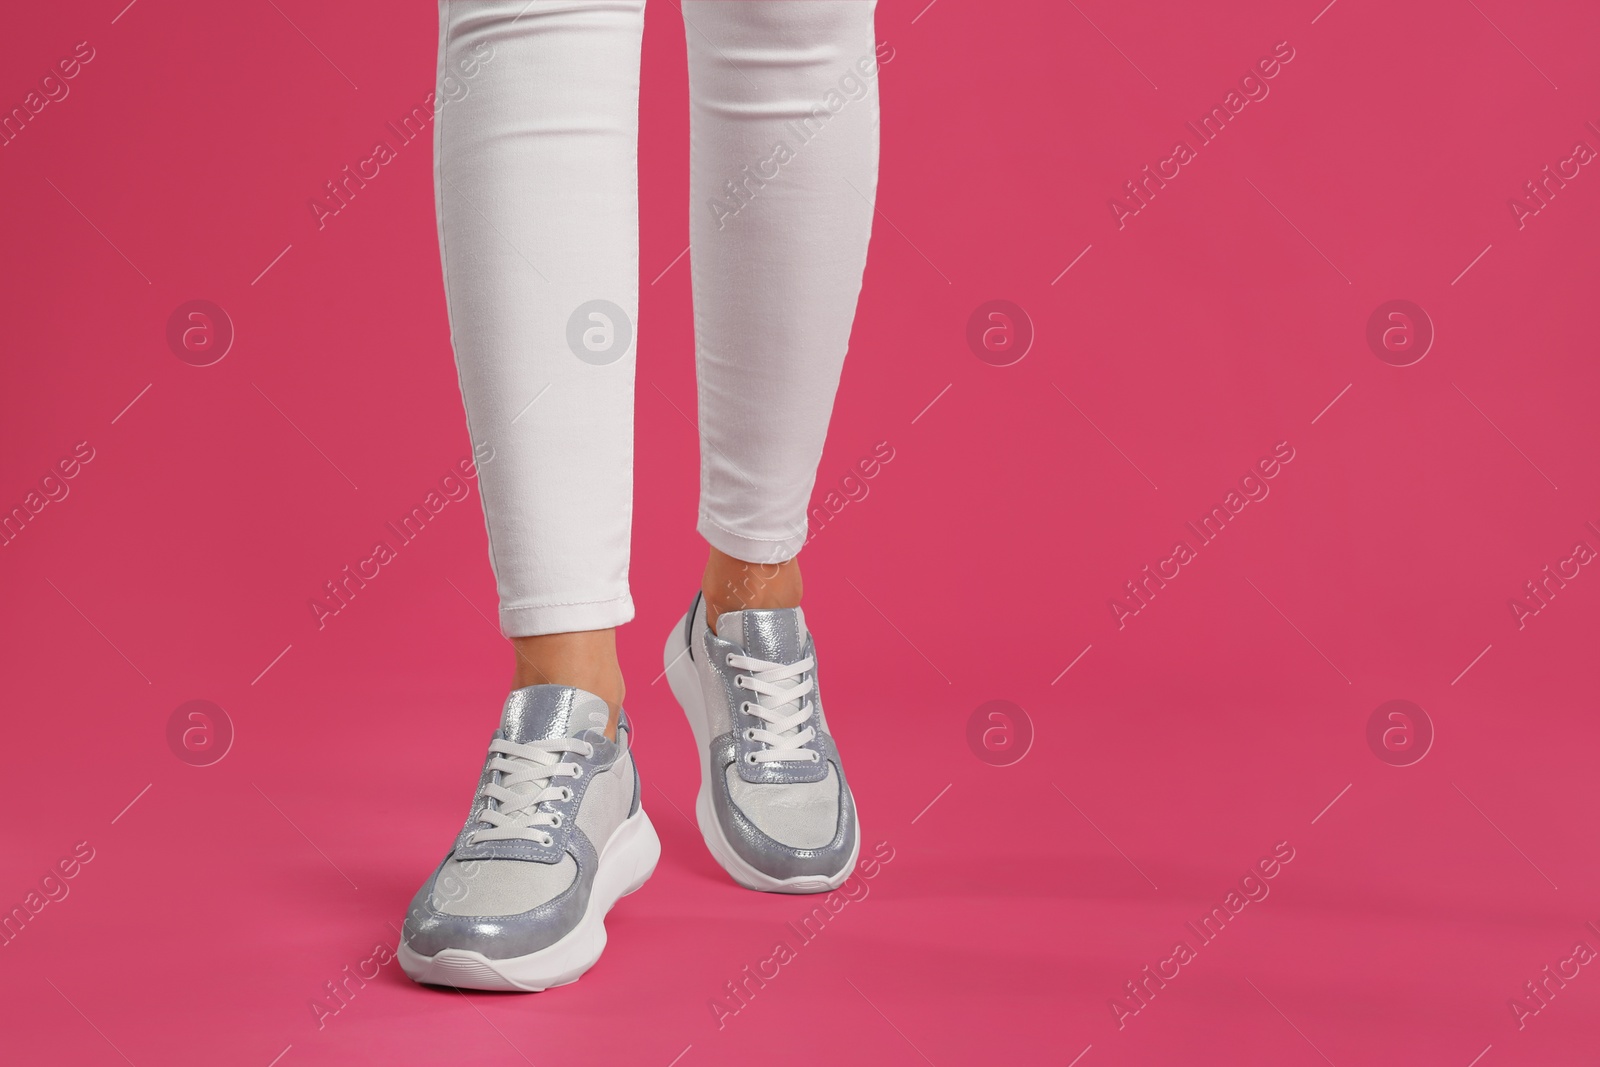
{"points": [[485, 914]]}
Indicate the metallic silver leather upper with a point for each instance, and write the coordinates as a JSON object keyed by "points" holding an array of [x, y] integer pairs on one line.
{"points": [[762, 852], [777, 636], [533, 713]]}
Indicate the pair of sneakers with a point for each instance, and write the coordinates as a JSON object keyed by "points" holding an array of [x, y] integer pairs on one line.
{"points": [[557, 833]]}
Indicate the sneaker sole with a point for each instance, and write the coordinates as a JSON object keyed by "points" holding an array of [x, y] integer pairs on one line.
{"points": [[626, 863], [684, 681]]}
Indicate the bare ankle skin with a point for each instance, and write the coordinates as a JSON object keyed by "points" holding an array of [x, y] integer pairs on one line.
{"points": [[733, 584], [586, 659]]}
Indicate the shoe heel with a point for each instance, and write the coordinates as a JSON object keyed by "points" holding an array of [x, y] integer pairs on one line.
{"points": [[644, 852], [684, 682]]}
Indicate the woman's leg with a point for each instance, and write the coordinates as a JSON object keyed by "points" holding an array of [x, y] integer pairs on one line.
{"points": [[537, 201], [537, 192], [784, 158], [784, 168]]}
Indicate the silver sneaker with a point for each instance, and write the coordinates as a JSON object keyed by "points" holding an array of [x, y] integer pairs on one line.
{"points": [[774, 806], [555, 837]]}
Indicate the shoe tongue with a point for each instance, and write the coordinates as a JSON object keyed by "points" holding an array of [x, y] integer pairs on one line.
{"points": [[546, 712], [777, 635]]}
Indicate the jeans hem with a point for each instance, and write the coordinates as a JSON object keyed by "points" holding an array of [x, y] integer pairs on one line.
{"points": [[750, 549], [533, 620]]}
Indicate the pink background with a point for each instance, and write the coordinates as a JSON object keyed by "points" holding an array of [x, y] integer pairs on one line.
{"points": [[1229, 715]]}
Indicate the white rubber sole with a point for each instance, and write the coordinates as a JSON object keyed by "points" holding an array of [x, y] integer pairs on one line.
{"points": [[626, 863], [685, 683]]}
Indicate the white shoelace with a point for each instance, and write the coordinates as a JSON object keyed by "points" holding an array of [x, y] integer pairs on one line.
{"points": [[784, 740], [525, 773]]}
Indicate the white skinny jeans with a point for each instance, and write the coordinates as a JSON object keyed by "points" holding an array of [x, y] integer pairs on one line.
{"points": [[536, 180]]}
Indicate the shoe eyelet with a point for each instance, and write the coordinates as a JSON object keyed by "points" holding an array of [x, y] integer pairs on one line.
{"points": [[744, 707], [577, 772], [566, 793], [558, 821], [750, 758], [738, 681], [728, 659], [750, 734]]}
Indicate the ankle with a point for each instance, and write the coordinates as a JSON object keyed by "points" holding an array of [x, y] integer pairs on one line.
{"points": [[733, 584], [585, 659]]}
